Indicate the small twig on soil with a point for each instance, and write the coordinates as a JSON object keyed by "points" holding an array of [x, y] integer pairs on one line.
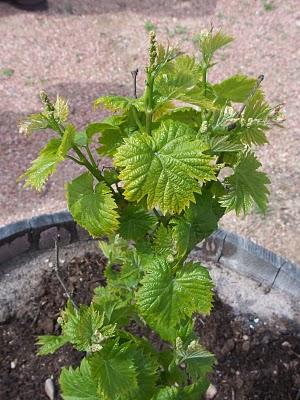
{"points": [[134, 76], [232, 394], [34, 321], [56, 269]]}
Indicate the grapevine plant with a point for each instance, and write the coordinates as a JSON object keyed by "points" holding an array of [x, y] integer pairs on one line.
{"points": [[164, 192]]}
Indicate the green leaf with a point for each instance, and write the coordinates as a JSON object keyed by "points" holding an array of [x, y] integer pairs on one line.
{"points": [[255, 120], [114, 369], [110, 140], [198, 222], [224, 144], [61, 109], [168, 393], [237, 88], [198, 360], [50, 344], [181, 81], [190, 392], [81, 139], [195, 391], [67, 140], [253, 132], [135, 222], [111, 134], [114, 103], [85, 328], [114, 308], [187, 115], [146, 367], [209, 43], [166, 297], [167, 168], [129, 274], [163, 243], [246, 186], [51, 155], [92, 207], [257, 107], [43, 166], [116, 250], [178, 76], [78, 384]]}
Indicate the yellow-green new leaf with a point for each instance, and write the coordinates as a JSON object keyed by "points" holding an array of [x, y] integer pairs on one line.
{"points": [[43, 166], [197, 359], [93, 207], [114, 103], [49, 344], [237, 88], [67, 140], [167, 168], [210, 42]]}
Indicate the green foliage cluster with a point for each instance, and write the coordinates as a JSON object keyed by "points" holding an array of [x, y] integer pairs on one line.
{"points": [[164, 193]]}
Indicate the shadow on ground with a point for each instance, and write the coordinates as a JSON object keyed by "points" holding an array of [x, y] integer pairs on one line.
{"points": [[147, 8]]}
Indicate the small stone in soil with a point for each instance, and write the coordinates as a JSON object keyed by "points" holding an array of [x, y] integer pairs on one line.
{"points": [[211, 392], [246, 346], [285, 344], [228, 346]]}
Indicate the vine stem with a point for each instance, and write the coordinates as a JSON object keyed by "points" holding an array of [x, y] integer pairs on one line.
{"points": [[91, 156], [91, 166], [160, 217], [137, 120], [149, 101], [204, 78]]}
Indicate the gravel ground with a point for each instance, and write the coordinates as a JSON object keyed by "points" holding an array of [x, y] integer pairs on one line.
{"points": [[85, 49]]}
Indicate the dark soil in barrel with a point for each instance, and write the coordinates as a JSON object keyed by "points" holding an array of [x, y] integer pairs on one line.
{"points": [[255, 360]]}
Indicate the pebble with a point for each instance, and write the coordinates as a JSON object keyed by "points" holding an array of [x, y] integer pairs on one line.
{"points": [[286, 344], [228, 346], [256, 320], [211, 392], [13, 364], [245, 337], [246, 346], [49, 388]]}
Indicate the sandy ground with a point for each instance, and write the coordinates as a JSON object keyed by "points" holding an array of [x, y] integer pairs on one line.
{"points": [[83, 49]]}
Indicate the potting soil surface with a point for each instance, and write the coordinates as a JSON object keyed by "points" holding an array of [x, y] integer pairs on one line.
{"points": [[254, 360]]}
